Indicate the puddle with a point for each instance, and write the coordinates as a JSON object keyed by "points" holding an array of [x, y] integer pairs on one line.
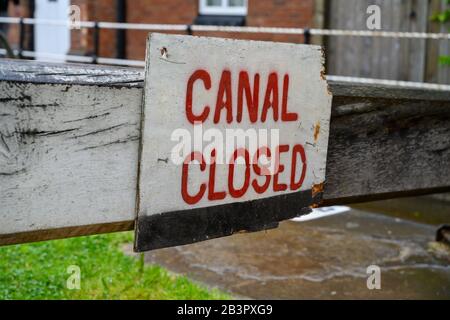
{"points": [[320, 259], [433, 209]]}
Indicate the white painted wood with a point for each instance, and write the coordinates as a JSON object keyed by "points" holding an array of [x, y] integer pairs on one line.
{"points": [[68, 155], [172, 60]]}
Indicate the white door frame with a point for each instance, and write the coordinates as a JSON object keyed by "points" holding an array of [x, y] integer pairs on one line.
{"points": [[51, 41]]}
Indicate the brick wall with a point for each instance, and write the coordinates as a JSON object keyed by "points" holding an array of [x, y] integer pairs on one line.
{"points": [[82, 40], [13, 32], [280, 13], [275, 13], [270, 13], [156, 11]]}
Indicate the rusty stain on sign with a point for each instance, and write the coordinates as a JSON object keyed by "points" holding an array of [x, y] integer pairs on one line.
{"points": [[316, 132]]}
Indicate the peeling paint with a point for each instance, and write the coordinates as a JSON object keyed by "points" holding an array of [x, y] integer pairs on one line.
{"points": [[317, 188], [323, 71]]}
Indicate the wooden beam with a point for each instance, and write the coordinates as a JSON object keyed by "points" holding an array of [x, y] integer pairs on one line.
{"points": [[69, 138]]}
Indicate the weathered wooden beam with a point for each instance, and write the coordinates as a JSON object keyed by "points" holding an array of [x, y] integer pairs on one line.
{"points": [[69, 138], [387, 142]]}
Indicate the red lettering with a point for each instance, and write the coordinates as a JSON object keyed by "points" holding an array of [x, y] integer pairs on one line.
{"points": [[236, 193], [252, 100], [271, 99], [277, 187], [212, 194], [206, 78], [285, 115], [262, 172], [298, 149], [224, 98], [185, 179]]}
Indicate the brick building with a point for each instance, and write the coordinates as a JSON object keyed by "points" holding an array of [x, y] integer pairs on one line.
{"points": [[276, 13], [130, 44], [386, 58]]}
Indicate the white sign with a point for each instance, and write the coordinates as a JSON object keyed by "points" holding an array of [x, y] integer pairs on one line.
{"points": [[235, 134]]}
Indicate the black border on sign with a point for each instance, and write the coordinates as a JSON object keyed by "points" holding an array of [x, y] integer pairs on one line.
{"points": [[189, 226]]}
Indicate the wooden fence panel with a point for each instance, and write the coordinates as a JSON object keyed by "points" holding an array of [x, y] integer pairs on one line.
{"points": [[387, 58]]}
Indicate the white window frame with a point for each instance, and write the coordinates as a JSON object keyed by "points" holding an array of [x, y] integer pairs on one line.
{"points": [[224, 9]]}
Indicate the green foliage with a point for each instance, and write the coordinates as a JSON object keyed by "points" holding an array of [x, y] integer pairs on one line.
{"points": [[444, 60], [39, 271], [443, 17]]}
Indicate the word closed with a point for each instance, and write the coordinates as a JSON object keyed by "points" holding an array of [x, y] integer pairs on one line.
{"points": [[274, 101]]}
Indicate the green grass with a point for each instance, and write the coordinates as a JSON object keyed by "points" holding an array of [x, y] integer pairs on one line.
{"points": [[40, 271]]}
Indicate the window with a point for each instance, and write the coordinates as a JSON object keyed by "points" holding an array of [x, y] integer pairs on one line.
{"points": [[223, 7]]}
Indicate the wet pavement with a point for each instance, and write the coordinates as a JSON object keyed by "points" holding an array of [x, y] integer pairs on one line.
{"points": [[326, 258]]}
